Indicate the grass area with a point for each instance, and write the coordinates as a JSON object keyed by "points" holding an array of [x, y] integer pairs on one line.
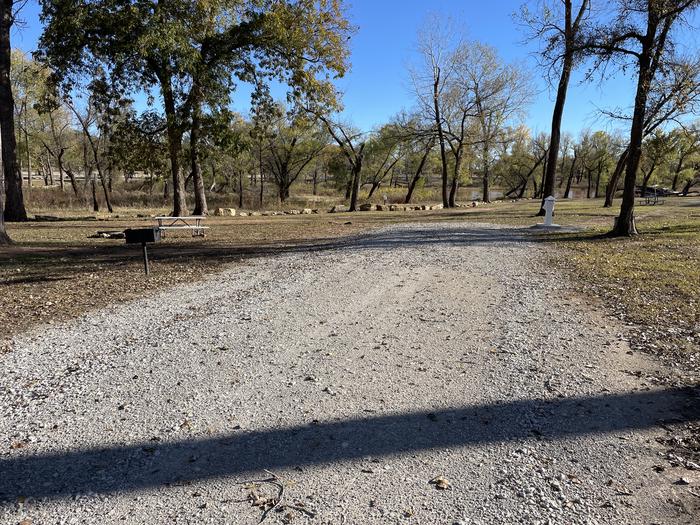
{"points": [[652, 281], [55, 271]]}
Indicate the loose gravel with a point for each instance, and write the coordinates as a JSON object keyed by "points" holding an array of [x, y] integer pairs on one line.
{"points": [[351, 377]]}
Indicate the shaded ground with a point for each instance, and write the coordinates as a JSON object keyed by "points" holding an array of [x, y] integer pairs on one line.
{"points": [[356, 374], [55, 272]]}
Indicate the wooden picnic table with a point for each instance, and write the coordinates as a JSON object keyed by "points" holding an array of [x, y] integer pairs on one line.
{"points": [[192, 223]]}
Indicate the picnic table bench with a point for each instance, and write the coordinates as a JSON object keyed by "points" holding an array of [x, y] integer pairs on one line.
{"points": [[192, 223], [651, 200]]}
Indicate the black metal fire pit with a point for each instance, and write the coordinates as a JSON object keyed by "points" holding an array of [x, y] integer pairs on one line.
{"points": [[143, 236]]}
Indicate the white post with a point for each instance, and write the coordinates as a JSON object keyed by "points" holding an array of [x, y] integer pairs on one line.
{"points": [[549, 210]]}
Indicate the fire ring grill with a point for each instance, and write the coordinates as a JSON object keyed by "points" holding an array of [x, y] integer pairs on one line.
{"points": [[143, 236]]}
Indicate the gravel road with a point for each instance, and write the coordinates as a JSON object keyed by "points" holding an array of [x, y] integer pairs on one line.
{"points": [[349, 377]]}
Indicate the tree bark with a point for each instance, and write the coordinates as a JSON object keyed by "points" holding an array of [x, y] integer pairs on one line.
{"points": [[357, 178], [645, 180], [572, 172], [589, 187], [29, 156], [485, 182], [417, 175], [611, 188], [687, 187], [625, 225], [570, 31], [441, 137], [14, 209], [95, 204], [375, 187], [174, 132], [200, 198], [455, 179]]}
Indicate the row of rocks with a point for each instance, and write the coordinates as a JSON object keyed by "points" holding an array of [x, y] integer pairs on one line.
{"points": [[339, 208], [232, 212]]}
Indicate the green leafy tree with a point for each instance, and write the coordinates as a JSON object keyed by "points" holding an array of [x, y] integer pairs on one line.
{"points": [[191, 51]]}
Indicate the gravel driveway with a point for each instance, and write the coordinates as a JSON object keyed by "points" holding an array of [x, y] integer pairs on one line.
{"points": [[348, 377]]}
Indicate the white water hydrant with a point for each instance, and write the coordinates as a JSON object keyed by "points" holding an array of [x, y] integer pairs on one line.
{"points": [[549, 210]]}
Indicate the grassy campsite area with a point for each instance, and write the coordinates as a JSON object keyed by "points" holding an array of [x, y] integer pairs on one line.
{"points": [[55, 271]]}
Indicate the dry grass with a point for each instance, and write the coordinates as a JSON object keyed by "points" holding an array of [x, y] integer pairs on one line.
{"points": [[55, 272]]}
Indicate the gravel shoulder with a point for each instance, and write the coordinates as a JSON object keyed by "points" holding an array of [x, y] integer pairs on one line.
{"points": [[355, 374]]}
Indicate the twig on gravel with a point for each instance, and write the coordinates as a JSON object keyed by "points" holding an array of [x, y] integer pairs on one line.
{"points": [[273, 480]]}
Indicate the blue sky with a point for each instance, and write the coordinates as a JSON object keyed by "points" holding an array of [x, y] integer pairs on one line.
{"points": [[377, 86]]}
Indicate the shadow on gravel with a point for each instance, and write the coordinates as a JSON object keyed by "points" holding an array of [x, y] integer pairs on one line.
{"points": [[154, 464], [64, 260]]}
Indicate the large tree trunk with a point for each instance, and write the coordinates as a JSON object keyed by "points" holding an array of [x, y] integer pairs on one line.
{"points": [[441, 137], [625, 224], [200, 198], [417, 175], [572, 172], [98, 166], [356, 179], [645, 180], [95, 204], [687, 187], [174, 132], [485, 182], [105, 190], [14, 209], [262, 177], [29, 156], [589, 187], [555, 138], [611, 188], [455, 179], [677, 173]]}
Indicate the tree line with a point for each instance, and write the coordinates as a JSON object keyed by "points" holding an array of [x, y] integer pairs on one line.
{"points": [[72, 106]]}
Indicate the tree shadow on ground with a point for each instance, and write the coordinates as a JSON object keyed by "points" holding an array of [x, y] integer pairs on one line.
{"points": [[152, 464], [64, 260]]}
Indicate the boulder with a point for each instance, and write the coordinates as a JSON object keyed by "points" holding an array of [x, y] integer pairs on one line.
{"points": [[306, 211], [292, 212], [242, 214], [380, 207], [225, 212], [366, 207], [254, 213], [339, 208]]}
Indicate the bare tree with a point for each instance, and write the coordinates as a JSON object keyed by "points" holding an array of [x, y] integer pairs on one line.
{"points": [[674, 94], [292, 146], [352, 143], [561, 31], [500, 93], [430, 80], [640, 35]]}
